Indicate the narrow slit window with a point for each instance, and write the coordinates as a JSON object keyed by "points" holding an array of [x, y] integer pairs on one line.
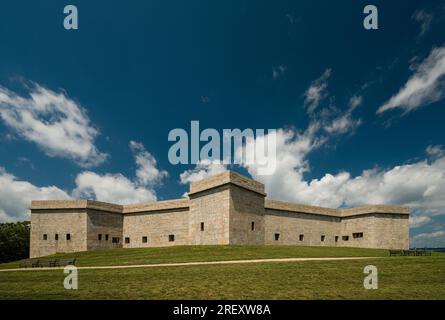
{"points": [[252, 226], [336, 238], [45, 237], [68, 236], [323, 238], [106, 237], [202, 226], [99, 236]]}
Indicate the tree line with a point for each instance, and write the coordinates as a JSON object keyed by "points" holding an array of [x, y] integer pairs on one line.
{"points": [[14, 241]]}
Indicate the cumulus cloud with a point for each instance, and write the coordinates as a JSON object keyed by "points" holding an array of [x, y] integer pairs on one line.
{"points": [[56, 123], [147, 172], [425, 86], [292, 147], [418, 221], [428, 239], [418, 185], [203, 169], [435, 151], [117, 188], [114, 188], [16, 196], [316, 91]]}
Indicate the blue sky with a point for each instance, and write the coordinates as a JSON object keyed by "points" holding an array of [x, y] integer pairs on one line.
{"points": [[359, 113]]}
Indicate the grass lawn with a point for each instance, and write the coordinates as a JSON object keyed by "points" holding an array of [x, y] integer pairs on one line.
{"points": [[399, 277], [205, 253]]}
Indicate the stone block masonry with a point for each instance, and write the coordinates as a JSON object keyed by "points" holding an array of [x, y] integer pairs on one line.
{"points": [[223, 209]]}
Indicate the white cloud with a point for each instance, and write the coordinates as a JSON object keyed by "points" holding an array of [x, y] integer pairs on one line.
{"points": [[419, 185], [16, 196], [424, 18], [291, 150], [431, 235], [355, 101], [331, 119], [342, 124], [335, 121], [316, 92], [203, 169], [117, 188], [425, 86], [147, 172], [418, 221], [57, 124], [435, 151], [292, 146], [114, 188], [428, 239]]}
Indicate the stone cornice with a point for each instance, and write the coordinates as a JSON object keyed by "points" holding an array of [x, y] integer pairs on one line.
{"points": [[340, 213], [224, 178]]}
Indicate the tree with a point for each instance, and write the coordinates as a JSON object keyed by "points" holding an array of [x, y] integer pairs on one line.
{"points": [[14, 241]]}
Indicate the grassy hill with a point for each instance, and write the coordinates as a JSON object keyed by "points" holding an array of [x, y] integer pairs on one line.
{"points": [[399, 277], [204, 253]]}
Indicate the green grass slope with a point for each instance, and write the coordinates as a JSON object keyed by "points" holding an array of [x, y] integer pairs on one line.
{"points": [[205, 253], [398, 277]]}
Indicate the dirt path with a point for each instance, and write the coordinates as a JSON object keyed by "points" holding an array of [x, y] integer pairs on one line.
{"points": [[199, 263]]}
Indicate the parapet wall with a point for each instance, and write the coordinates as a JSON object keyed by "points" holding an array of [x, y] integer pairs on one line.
{"points": [[374, 226]]}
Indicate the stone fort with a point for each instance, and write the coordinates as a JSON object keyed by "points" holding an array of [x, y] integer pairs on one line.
{"points": [[227, 208]]}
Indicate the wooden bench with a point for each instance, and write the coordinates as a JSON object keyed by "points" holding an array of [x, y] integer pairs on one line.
{"points": [[65, 262], [396, 252], [423, 252], [414, 252], [29, 263], [45, 263]]}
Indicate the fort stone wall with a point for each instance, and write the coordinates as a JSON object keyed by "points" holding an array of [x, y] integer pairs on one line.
{"points": [[104, 230], [247, 224], [63, 230], [297, 228], [223, 209], [157, 228], [209, 216]]}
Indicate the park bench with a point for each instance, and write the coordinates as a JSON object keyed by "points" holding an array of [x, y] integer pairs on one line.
{"points": [[396, 252], [423, 252], [414, 252], [44, 263], [65, 262], [29, 263]]}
